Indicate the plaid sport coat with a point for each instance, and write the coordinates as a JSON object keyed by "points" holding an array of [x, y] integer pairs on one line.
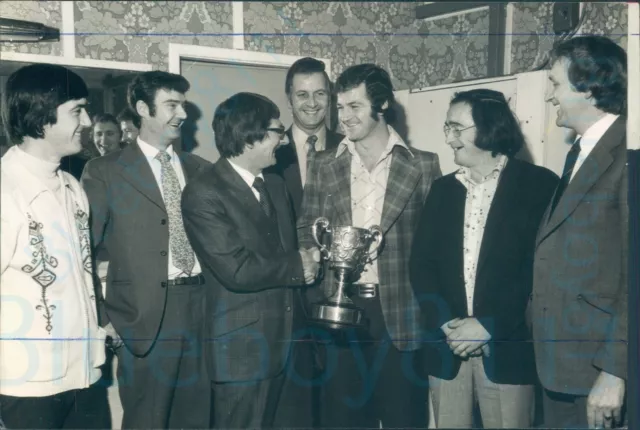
{"points": [[327, 193]]}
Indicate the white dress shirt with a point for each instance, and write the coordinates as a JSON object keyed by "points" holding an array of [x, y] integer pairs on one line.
{"points": [[591, 137], [150, 154], [300, 140], [247, 176]]}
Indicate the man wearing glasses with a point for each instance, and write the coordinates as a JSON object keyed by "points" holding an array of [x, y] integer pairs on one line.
{"points": [[241, 226]]}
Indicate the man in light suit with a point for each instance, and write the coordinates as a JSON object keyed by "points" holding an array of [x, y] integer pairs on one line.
{"points": [[155, 291], [241, 225], [373, 177], [579, 301]]}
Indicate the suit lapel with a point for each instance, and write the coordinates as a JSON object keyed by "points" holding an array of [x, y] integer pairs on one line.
{"points": [[403, 177], [594, 166], [504, 200], [339, 189], [190, 166], [285, 221], [135, 169]]}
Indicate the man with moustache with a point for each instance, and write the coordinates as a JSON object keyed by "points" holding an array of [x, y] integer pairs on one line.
{"points": [[129, 125], [308, 91], [373, 177], [155, 290], [579, 301], [241, 225]]}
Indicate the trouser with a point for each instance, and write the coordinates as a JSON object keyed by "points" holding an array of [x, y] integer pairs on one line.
{"points": [[86, 408], [367, 382], [169, 387], [501, 405]]}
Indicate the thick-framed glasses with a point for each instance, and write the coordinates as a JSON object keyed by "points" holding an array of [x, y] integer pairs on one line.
{"points": [[280, 130], [456, 131]]}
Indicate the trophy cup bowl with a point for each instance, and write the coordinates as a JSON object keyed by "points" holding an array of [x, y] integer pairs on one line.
{"points": [[348, 253]]}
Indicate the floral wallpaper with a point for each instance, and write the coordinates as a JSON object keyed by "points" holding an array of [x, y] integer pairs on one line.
{"points": [[45, 12], [140, 31], [533, 30], [417, 53]]}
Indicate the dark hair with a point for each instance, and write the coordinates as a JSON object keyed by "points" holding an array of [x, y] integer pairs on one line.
{"points": [[33, 94], [305, 66], [145, 86], [128, 115], [102, 118], [377, 83], [241, 120], [599, 65], [497, 128]]}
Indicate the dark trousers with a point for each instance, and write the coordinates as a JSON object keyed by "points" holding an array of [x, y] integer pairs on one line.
{"points": [[246, 405], [75, 409], [367, 381], [169, 387], [568, 412]]}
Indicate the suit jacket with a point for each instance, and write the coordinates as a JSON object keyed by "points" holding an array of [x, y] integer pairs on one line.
{"points": [[504, 270], [250, 263], [328, 194], [129, 219], [579, 302], [288, 167]]}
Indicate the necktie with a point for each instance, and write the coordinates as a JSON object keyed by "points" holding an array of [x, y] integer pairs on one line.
{"points": [[265, 201], [569, 164], [181, 251], [311, 144]]}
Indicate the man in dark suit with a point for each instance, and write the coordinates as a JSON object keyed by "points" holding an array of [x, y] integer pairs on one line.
{"points": [[241, 226], [579, 301], [373, 177], [155, 291], [308, 91], [471, 268]]}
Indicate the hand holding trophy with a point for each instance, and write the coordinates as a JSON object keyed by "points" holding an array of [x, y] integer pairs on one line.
{"points": [[348, 253]]}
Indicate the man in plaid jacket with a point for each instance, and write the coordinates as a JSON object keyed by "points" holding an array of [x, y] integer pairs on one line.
{"points": [[371, 376]]}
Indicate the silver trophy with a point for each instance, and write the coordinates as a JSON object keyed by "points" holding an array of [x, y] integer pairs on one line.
{"points": [[348, 253]]}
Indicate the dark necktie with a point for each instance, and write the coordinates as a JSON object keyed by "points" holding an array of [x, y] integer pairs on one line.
{"points": [[569, 164], [265, 201], [311, 144], [181, 251]]}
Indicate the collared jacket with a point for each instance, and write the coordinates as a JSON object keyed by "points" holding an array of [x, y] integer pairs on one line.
{"points": [[50, 341]]}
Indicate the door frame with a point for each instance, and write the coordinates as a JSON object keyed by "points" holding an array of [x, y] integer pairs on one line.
{"points": [[178, 52]]}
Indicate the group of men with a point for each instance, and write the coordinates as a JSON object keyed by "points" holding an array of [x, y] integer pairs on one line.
{"points": [[213, 267]]}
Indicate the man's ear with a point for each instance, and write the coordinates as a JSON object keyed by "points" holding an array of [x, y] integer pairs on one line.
{"points": [[142, 108]]}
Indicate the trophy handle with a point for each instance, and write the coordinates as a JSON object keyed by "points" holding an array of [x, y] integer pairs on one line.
{"points": [[376, 233], [322, 223]]}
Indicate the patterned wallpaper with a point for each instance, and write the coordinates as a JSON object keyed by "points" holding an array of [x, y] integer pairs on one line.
{"points": [[416, 53]]}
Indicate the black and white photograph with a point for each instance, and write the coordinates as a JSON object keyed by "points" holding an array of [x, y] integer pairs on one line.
{"points": [[319, 215]]}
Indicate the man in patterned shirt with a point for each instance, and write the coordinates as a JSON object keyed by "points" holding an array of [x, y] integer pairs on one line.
{"points": [[51, 346], [372, 177]]}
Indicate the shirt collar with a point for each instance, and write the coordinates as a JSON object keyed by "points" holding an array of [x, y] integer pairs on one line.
{"points": [[463, 174], [151, 151], [394, 140], [300, 136], [246, 175], [24, 166], [597, 130]]}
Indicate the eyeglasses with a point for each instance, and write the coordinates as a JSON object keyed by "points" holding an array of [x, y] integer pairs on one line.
{"points": [[280, 130], [456, 131]]}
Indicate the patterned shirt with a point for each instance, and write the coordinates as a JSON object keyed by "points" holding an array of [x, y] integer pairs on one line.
{"points": [[368, 191], [477, 205]]}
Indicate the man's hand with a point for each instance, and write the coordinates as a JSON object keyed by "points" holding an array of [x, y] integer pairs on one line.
{"points": [[605, 400], [467, 336], [310, 264], [116, 342]]}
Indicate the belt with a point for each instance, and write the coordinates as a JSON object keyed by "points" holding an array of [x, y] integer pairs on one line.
{"points": [[191, 280], [365, 291]]}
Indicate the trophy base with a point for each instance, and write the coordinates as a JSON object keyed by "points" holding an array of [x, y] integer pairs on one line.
{"points": [[337, 317]]}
